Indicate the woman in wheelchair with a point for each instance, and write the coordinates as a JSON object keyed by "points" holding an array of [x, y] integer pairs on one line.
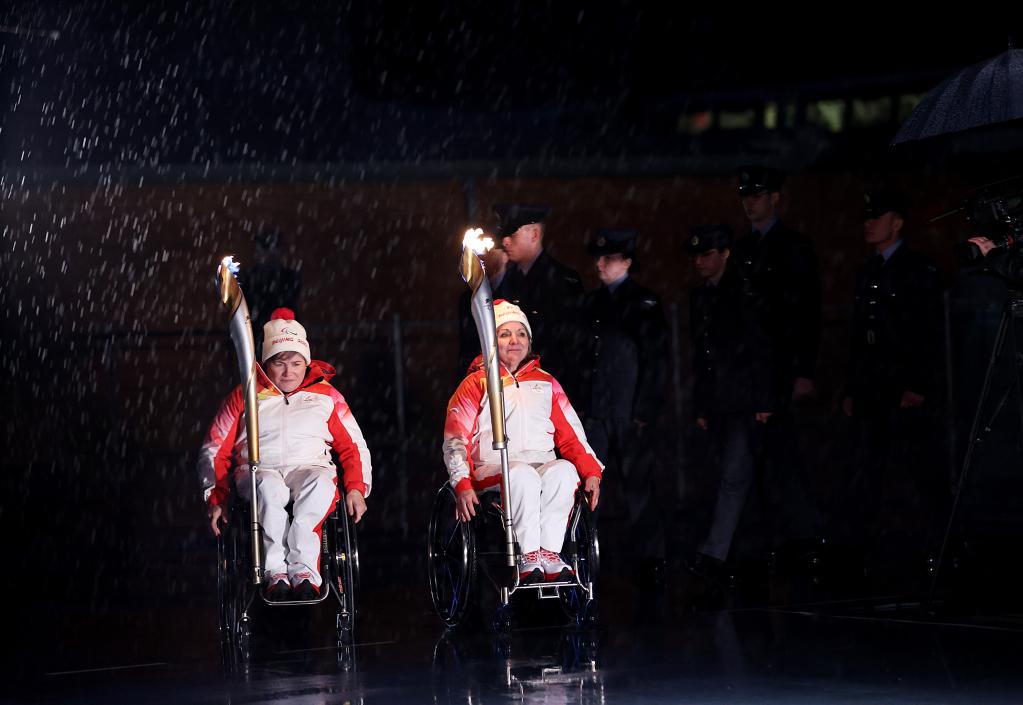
{"points": [[301, 419], [541, 425]]}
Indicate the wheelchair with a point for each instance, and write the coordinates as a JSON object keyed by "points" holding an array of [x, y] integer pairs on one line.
{"points": [[467, 558], [559, 664], [238, 595]]}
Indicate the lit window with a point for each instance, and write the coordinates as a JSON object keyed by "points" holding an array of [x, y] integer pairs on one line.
{"points": [[871, 112], [908, 103], [696, 123], [737, 119], [771, 116], [829, 114]]}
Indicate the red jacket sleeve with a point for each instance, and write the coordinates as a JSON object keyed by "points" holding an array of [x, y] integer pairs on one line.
{"points": [[460, 425], [217, 449], [569, 437], [348, 442]]}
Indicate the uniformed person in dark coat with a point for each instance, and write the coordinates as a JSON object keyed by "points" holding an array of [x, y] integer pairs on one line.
{"points": [[780, 267], [269, 283], [623, 393], [893, 390], [732, 382], [546, 290]]}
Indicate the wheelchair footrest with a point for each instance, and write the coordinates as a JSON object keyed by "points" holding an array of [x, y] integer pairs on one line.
{"points": [[548, 592], [294, 603]]}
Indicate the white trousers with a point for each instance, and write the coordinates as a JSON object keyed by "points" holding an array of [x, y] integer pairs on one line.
{"points": [[541, 500], [292, 545]]}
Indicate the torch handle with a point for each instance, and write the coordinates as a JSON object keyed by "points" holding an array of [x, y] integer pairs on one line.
{"points": [[257, 538], [482, 306], [240, 328], [511, 549]]}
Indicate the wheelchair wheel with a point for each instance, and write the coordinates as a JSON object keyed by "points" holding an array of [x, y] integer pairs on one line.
{"points": [[345, 569], [235, 629], [243, 640], [224, 586], [451, 560], [582, 541]]}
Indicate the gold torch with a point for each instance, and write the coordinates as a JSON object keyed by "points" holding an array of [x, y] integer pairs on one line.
{"points": [[240, 327], [471, 268]]}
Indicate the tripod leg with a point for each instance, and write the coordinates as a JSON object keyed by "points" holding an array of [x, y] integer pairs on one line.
{"points": [[1017, 363], [985, 391]]}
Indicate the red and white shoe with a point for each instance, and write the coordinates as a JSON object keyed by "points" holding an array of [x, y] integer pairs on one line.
{"points": [[530, 568], [305, 591], [303, 588], [554, 568], [276, 588]]}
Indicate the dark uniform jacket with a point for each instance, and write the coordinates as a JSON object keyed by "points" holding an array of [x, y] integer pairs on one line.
{"points": [[896, 339], [1008, 264], [550, 295], [267, 287], [731, 351], [468, 337], [781, 269], [627, 353]]}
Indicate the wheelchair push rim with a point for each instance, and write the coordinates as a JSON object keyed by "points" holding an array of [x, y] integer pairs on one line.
{"points": [[451, 556], [345, 578], [579, 603]]}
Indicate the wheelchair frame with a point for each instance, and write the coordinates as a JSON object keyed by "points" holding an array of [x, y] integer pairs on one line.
{"points": [[482, 307], [457, 543], [237, 595]]}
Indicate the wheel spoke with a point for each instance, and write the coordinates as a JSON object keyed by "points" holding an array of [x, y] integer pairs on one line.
{"points": [[451, 536]]}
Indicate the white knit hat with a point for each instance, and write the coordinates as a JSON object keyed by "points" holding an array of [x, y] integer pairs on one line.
{"points": [[283, 333], [506, 312]]}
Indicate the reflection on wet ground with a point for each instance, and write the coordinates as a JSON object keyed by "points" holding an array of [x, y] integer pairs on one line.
{"points": [[684, 642]]}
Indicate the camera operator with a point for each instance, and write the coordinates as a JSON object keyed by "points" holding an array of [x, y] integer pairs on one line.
{"points": [[892, 387], [998, 255], [997, 211]]}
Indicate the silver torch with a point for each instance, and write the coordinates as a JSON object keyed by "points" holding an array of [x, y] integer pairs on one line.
{"points": [[240, 326], [471, 268]]}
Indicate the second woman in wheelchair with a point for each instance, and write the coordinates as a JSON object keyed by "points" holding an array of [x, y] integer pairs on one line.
{"points": [[541, 425], [301, 419]]}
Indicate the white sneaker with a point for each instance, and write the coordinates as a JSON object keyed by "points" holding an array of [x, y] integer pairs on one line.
{"points": [[530, 569], [553, 567]]}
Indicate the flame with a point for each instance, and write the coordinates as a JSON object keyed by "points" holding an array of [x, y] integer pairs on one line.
{"points": [[232, 266], [476, 242]]}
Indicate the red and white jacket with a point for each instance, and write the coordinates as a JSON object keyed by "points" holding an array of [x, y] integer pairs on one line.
{"points": [[295, 429], [540, 423]]}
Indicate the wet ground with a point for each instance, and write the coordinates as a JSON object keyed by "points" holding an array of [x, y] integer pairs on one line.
{"points": [[781, 634]]}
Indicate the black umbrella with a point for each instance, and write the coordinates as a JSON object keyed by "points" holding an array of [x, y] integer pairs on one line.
{"points": [[985, 93]]}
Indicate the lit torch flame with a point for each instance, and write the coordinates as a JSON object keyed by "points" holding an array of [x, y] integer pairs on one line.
{"points": [[232, 266], [477, 242], [227, 283]]}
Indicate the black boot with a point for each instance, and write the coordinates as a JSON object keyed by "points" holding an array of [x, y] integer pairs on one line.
{"points": [[304, 591], [277, 590]]}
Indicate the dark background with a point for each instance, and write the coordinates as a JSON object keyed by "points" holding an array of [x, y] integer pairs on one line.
{"points": [[141, 144]]}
